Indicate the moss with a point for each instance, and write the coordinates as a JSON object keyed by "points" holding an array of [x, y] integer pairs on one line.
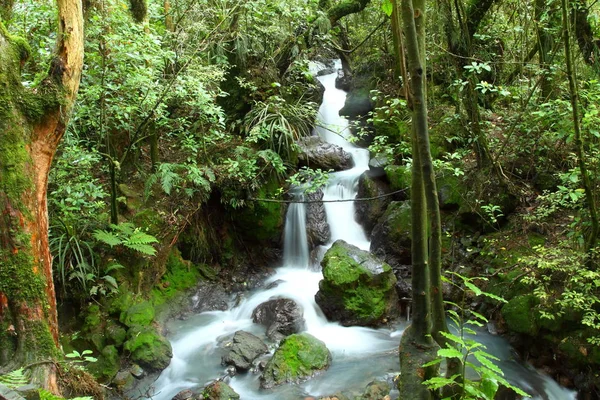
{"points": [[140, 314], [115, 333], [519, 316], [399, 177], [298, 357], [148, 348], [262, 220], [150, 220], [108, 364], [181, 275]]}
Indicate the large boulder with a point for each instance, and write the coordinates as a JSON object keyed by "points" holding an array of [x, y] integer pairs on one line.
{"points": [[358, 103], [368, 212], [245, 348], [317, 228], [298, 358], [391, 237], [357, 288], [282, 317], [148, 348], [316, 153]]}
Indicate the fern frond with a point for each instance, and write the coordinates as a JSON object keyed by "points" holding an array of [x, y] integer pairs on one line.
{"points": [[14, 379], [107, 237], [142, 248]]}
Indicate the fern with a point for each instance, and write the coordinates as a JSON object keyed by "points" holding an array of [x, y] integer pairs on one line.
{"points": [[14, 379], [140, 241], [108, 238], [46, 395]]}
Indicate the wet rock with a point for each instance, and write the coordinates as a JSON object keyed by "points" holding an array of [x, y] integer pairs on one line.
{"points": [[358, 104], [390, 239], [299, 357], [209, 297], [357, 288], [376, 390], [274, 284], [123, 380], [219, 390], [9, 394], [280, 316], [137, 371], [184, 395], [343, 81], [368, 212], [148, 348], [326, 71], [244, 350], [316, 153], [317, 228]]}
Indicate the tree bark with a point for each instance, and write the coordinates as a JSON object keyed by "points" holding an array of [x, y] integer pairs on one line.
{"points": [[592, 237], [32, 123], [416, 346]]}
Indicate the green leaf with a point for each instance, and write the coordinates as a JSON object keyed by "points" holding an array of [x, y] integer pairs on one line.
{"points": [[387, 7], [107, 237], [450, 353]]}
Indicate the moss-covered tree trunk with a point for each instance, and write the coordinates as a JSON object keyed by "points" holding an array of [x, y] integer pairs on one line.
{"points": [[32, 123], [416, 345]]}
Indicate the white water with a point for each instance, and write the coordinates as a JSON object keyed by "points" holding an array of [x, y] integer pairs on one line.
{"points": [[359, 354]]}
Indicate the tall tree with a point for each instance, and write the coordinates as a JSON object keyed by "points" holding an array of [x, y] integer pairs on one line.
{"points": [[32, 123], [416, 344]]}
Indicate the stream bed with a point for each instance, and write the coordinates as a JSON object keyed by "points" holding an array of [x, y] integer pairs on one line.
{"points": [[359, 354]]}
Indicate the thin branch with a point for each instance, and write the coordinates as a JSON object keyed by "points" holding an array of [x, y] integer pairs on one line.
{"points": [[361, 43]]}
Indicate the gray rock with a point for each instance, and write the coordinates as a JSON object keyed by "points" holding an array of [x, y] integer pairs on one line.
{"points": [[317, 228], [137, 371], [123, 380], [184, 395], [280, 316], [391, 237], [316, 153], [368, 212], [9, 394], [219, 390], [376, 390], [244, 350], [209, 297]]}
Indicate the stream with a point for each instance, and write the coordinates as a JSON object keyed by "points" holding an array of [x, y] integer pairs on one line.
{"points": [[359, 354]]}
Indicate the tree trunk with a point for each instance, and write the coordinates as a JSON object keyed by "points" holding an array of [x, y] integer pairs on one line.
{"points": [[592, 237], [32, 124], [416, 346]]}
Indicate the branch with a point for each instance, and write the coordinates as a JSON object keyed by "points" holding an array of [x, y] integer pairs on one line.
{"points": [[361, 43], [345, 8]]}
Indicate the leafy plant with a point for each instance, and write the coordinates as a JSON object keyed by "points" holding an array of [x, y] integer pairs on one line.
{"points": [[277, 124], [84, 356], [14, 378], [462, 347], [128, 235]]}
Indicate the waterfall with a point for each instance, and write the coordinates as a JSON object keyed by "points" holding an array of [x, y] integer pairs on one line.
{"points": [[359, 354], [295, 245]]}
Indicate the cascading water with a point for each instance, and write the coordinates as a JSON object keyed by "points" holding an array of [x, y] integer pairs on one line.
{"points": [[359, 354]]}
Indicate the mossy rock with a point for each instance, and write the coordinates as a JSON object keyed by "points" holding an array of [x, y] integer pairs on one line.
{"points": [[262, 221], [141, 314], [115, 333], [449, 187], [357, 288], [219, 390], [391, 237], [399, 177], [180, 275], [298, 358], [578, 351], [108, 364], [150, 220], [148, 348], [519, 314]]}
